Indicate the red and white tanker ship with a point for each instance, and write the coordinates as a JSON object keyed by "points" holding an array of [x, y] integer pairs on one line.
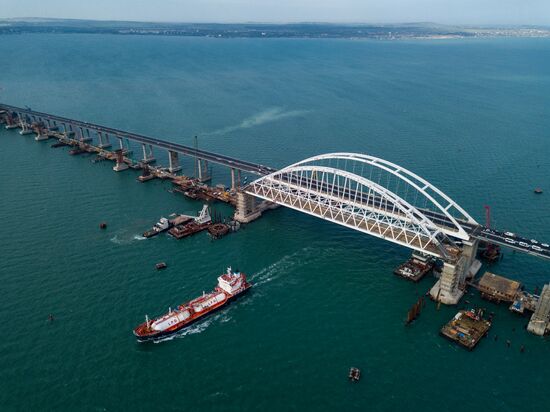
{"points": [[230, 285]]}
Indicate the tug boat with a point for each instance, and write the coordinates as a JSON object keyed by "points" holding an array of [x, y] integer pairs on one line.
{"points": [[230, 285], [164, 224], [159, 227]]}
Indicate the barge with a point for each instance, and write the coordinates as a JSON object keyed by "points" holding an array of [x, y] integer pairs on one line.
{"points": [[467, 328], [195, 225], [164, 224], [415, 268]]}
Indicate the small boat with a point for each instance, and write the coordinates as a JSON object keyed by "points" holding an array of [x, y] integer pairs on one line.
{"points": [[230, 285], [538, 191], [161, 265], [354, 374], [103, 225], [159, 227]]}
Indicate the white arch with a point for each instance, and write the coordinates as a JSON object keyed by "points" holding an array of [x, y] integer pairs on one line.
{"points": [[410, 178], [401, 223]]}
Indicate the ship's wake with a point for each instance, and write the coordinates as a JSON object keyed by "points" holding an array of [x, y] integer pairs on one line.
{"points": [[266, 116], [196, 328], [125, 239], [282, 266]]}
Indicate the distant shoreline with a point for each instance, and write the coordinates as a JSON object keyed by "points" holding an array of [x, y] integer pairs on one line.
{"points": [[417, 31]]}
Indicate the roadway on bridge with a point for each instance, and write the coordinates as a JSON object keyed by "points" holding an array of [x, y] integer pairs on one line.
{"points": [[254, 168], [521, 244], [502, 238]]}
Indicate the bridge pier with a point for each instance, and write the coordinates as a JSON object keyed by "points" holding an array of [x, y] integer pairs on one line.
{"points": [[173, 159], [540, 320], [120, 163], [235, 182], [147, 154], [203, 176], [10, 122], [469, 251], [25, 128], [246, 210], [449, 289], [103, 140], [41, 134]]}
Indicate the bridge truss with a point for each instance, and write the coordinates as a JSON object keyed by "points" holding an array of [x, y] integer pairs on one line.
{"points": [[370, 195]]}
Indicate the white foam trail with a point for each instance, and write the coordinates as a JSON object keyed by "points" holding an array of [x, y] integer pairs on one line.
{"points": [[191, 330], [270, 115], [126, 241], [277, 269]]}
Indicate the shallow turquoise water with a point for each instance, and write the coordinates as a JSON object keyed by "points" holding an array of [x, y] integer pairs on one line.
{"points": [[470, 116]]}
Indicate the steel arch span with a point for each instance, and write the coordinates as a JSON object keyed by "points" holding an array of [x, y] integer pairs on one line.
{"points": [[370, 195]]}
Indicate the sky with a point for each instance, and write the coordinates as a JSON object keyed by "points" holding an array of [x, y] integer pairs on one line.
{"points": [[536, 12]]}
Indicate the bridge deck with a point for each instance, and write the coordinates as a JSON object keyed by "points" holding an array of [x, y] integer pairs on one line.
{"points": [[228, 161], [475, 231]]}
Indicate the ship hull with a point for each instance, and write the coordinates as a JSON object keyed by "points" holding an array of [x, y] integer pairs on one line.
{"points": [[165, 334]]}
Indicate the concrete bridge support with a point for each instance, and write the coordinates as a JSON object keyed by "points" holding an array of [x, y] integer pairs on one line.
{"points": [[10, 121], [120, 163], [202, 170], [469, 252], [147, 154], [174, 164], [246, 210], [448, 289], [41, 134], [25, 127], [103, 140], [235, 182], [540, 321]]}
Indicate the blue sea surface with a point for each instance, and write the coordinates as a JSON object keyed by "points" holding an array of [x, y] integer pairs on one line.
{"points": [[472, 116]]}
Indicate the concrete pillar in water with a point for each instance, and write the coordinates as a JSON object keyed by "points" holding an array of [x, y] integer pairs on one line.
{"points": [[246, 210], [469, 251], [232, 179], [199, 168], [41, 130], [104, 140], [540, 321], [448, 289], [173, 160], [25, 127], [86, 137], [120, 164], [100, 139], [147, 155]]}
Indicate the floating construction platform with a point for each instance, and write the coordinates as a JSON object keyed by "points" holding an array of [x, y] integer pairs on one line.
{"points": [[415, 268], [467, 328], [195, 189], [524, 302], [498, 288]]}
